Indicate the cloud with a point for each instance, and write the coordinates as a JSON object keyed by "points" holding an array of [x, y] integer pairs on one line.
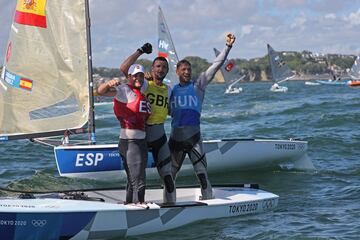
{"points": [[246, 29], [331, 16], [353, 18], [299, 22]]}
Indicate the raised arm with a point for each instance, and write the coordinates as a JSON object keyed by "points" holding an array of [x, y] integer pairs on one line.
{"points": [[108, 88], [125, 65], [207, 76]]}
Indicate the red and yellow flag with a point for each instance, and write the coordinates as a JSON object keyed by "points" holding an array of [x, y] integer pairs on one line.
{"points": [[31, 12], [26, 84]]}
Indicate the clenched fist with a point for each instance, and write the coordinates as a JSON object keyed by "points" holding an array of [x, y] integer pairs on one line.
{"points": [[230, 39]]}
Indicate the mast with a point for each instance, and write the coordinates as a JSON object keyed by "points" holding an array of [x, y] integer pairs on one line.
{"points": [[91, 123]]}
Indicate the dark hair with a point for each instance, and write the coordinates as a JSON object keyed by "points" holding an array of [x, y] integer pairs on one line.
{"points": [[181, 62], [160, 59]]}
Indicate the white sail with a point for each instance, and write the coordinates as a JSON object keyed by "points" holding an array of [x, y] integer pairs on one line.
{"points": [[279, 69], [45, 79], [355, 69], [166, 48]]}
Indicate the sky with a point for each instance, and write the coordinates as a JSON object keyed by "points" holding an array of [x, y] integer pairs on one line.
{"points": [[119, 27]]}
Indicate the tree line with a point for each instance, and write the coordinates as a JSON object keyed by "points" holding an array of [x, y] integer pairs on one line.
{"points": [[258, 69]]}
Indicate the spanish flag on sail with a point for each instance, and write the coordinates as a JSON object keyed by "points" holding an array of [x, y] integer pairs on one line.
{"points": [[26, 84], [31, 12]]}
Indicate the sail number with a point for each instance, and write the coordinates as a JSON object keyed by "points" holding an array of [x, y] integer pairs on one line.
{"points": [[285, 146], [88, 159], [243, 208], [13, 223]]}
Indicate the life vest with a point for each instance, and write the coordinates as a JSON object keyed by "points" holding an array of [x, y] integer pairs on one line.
{"points": [[133, 115], [185, 106], [158, 96]]}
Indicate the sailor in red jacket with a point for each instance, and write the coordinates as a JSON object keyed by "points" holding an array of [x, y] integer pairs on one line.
{"points": [[132, 109]]}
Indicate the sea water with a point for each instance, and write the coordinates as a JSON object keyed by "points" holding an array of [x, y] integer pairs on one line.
{"points": [[322, 204]]}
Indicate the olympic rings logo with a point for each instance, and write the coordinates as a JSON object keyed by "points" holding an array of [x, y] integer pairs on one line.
{"points": [[38, 222], [268, 204], [301, 146]]}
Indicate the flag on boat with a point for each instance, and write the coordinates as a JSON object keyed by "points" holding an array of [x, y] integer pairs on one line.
{"points": [[31, 12]]}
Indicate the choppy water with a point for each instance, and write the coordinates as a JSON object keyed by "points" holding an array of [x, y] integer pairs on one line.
{"points": [[313, 205]]}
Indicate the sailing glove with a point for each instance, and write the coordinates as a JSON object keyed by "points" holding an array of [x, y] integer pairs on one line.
{"points": [[146, 48]]}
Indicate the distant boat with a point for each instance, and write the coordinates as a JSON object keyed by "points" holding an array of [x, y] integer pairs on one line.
{"points": [[279, 70], [231, 75], [353, 83], [234, 90], [355, 74], [309, 83], [333, 80]]}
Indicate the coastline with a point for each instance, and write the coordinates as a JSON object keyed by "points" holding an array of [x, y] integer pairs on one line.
{"points": [[303, 77]]}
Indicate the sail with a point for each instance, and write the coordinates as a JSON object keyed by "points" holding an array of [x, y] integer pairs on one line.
{"points": [[230, 73], [355, 69], [279, 69], [218, 78], [44, 85], [333, 75], [331, 71], [166, 48]]}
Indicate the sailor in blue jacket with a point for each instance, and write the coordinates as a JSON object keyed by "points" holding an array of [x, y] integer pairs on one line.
{"points": [[185, 109]]}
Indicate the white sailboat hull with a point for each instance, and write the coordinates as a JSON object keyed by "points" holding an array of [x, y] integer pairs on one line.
{"points": [[312, 83], [331, 82], [278, 89], [233, 90], [51, 217], [104, 163]]}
